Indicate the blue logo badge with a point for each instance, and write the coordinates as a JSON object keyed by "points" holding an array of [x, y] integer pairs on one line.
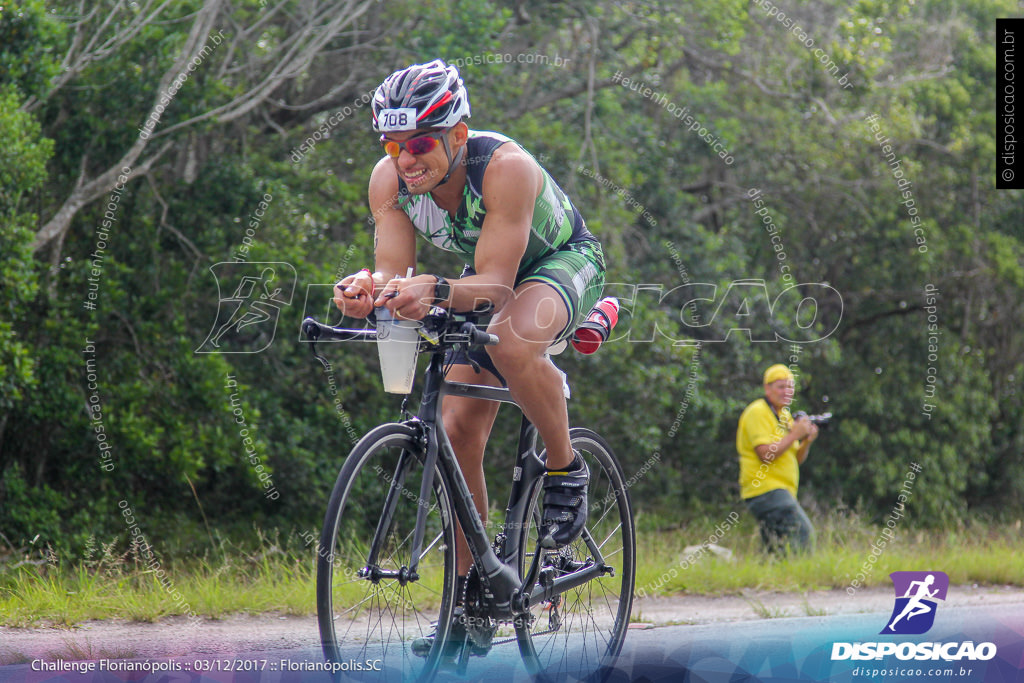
{"points": [[917, 594]]}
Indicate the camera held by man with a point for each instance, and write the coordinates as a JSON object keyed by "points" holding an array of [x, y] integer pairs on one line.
{"points": [[820, 420]]}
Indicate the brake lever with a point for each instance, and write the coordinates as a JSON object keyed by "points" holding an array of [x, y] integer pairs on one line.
{"points": [[323, 361], [312, 333]]}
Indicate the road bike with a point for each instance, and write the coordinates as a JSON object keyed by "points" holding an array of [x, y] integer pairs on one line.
{"points": [[386, 576]]}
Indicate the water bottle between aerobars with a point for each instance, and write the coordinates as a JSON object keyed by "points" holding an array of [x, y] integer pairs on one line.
{"points": [[594, 331]]}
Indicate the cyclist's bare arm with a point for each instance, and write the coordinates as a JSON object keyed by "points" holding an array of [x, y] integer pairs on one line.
{"points": [[511, 185], [510, 188], [394, 245]]}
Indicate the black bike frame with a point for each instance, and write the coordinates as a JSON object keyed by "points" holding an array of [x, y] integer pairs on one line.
{"points": [[511, 595]]}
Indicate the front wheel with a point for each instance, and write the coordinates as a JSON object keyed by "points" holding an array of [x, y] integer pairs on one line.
{"points": [[370, 609], [578, 634]]}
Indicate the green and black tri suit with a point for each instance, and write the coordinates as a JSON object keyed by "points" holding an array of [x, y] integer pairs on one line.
{"points": [[561, 251]]}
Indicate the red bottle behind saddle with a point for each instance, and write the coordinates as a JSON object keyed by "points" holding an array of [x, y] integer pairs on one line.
{"points": [[595, 330]]}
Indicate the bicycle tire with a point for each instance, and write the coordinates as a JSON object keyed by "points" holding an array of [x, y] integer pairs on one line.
{"points": [[374, 624], [579, 634]]}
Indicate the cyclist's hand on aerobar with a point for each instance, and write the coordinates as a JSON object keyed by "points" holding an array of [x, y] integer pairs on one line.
{"points": [[408, 298], [354, 295]]}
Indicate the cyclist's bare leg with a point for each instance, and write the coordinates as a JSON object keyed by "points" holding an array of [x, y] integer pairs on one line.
{"points": [[468, 423], [526, 327]]}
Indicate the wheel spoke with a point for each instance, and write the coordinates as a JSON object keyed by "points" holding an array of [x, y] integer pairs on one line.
{"points": [[381, 619], [426, 550], [593, 616]]}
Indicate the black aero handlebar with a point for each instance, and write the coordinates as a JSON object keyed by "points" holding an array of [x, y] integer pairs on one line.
{"points": [[450, 332], [315, 331], [477, 337]]}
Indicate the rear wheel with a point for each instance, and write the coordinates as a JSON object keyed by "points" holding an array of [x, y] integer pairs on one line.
{"points": [[370, 609], [578, 634]]}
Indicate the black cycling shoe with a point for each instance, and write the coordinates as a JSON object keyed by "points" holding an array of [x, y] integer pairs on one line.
{"points": [[565, 502], [457, 635]]}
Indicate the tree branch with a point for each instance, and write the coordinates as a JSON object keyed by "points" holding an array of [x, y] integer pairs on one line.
{"points": [[74, 64], [292, 65], [294, 56]]}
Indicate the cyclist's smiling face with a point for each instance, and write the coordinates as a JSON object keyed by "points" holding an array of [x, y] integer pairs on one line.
{"points": [[420, 172], [780, 392]]}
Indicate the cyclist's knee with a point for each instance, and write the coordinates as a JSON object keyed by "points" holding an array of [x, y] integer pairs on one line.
{"points": [[503, 354], [515, 352], [529, 323]]}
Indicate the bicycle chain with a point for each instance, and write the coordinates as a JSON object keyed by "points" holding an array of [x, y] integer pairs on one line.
{"points": [[474, 617], [479, 626]]}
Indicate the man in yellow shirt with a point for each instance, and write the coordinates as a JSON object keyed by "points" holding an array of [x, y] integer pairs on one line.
{"points": [[772, 446]]}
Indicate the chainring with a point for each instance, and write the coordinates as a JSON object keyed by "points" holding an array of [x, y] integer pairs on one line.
{"points": [[480, 626]]}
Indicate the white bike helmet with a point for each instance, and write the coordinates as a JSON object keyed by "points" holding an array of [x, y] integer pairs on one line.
{"points": [[420, 96]]}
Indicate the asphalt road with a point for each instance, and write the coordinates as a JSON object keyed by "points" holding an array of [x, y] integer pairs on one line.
{"points": [[781, 649]]}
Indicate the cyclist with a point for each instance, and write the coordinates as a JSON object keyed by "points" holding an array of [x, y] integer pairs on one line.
{"points": [[528, 252]]}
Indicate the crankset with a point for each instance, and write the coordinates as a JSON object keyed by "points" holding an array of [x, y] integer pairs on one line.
{"points": [[480, 626]]}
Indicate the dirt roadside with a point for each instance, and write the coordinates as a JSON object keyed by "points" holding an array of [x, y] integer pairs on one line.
{"points": [[266, 633]]}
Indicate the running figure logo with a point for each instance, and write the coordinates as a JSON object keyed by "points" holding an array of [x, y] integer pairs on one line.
{"points": [[247, 319], [916, 596]]}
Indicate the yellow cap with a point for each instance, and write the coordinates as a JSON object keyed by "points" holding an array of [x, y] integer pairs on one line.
{"points": [[777, 372]]}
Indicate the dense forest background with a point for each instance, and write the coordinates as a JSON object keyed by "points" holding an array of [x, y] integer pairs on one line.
{"points": [[811, 184]]}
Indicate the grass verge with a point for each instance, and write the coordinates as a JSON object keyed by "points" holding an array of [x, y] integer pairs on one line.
{"points": [[108, 585], [846, 550], [111, 585]]}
